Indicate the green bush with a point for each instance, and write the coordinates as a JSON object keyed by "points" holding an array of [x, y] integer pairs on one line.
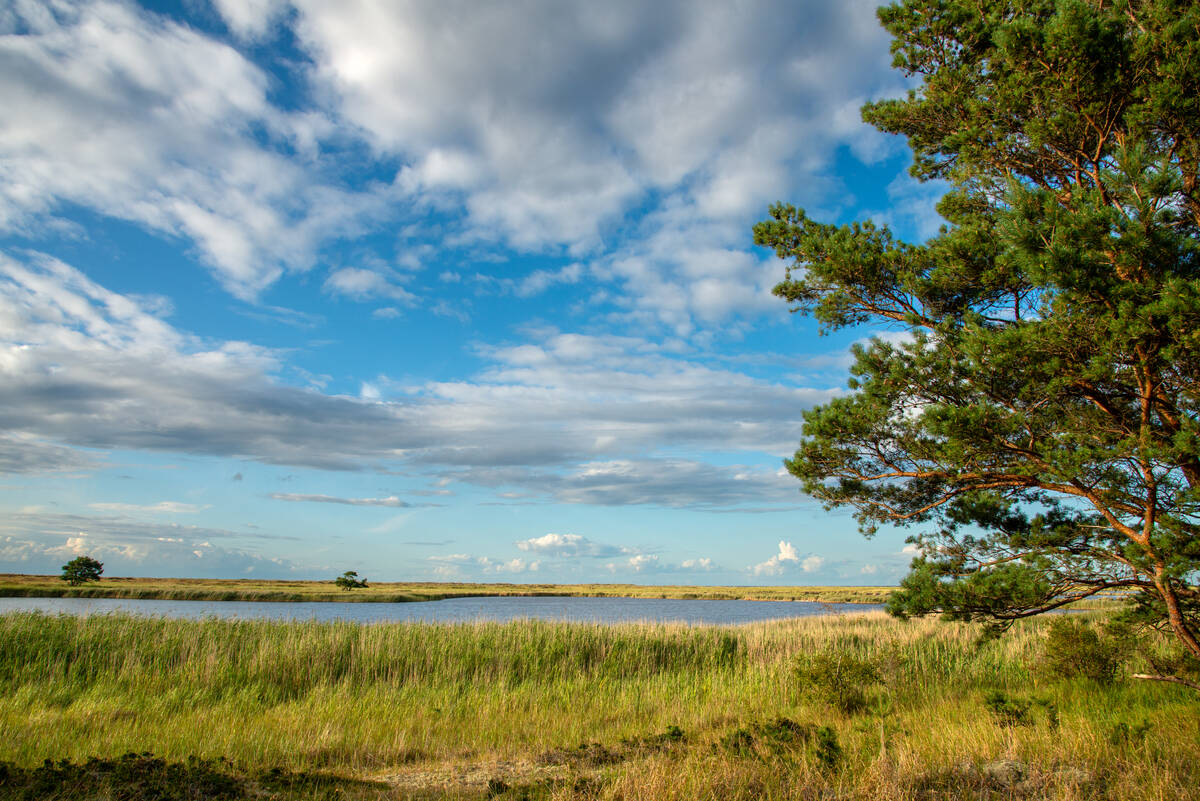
{"points": [[739, 741], [1124, 734], [1074, 650], [132, 777], [1008, 711], [841, 679], [829, 751]]}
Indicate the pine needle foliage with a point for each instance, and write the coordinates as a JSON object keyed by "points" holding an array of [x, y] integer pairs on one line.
{"points": [[1039, 425]]}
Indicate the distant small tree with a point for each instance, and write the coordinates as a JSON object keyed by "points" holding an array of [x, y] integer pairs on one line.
{"points": [[349, 580], [82, 569]]}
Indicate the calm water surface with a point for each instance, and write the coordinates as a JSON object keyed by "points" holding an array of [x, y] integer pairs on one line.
{"points": [[453, 610]]}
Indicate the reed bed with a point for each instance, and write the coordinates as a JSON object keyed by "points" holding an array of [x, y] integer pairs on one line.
{"points": [[168, 589], [665, 711]]}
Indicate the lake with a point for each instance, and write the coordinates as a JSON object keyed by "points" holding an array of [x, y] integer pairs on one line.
{"points": [[452, 610]]}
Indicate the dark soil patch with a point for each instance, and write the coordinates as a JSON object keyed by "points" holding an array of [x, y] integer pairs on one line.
{"points": [[144, 777]]}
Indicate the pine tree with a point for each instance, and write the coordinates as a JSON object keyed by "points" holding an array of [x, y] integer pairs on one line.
{"points": [[1039, 430]]}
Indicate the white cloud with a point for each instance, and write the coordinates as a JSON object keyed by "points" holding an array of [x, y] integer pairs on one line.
{"points": [[40, 542], [180, 138], [454, 558], [774, 565], [567, 546], [361, 284], [579, 419], [25, 453], [568, 115], [643, 561], [541, 125], [450, 565], [788, 556], [652, 563], [625, 482], [912, 205], [532, 284], [461, 564], [167, 507], [514, 565], [540, 280], [391, 501], [250, 19]]}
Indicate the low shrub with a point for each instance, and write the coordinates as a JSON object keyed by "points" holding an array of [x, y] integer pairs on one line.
{"points": [[828, 750], [1007, 710], [841, 679], [1074, 650], [1124, 734]]}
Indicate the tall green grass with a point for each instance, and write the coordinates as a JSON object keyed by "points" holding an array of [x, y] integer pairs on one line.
{"points": [[384, 699], [288, 660]]}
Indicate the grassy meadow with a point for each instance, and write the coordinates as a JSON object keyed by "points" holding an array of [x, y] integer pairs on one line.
{"points": [[564, 711], [173, 589]]}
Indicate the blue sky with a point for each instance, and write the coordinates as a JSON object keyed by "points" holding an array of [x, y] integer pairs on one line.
{"points": [[428, 290]]}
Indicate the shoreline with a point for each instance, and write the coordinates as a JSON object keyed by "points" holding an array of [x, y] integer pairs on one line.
{"points": [[159, 589]]}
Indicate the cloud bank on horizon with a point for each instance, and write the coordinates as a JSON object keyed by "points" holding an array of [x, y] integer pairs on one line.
{"points": [[334, 285]]}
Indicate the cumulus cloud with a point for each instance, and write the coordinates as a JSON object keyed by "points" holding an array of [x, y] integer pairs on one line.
{"points": [[361, 284], [461, 564], [514, 565], [639, 563], [532, 284], [559, 418], [181, 138], [643, 561], [653, 563], [249, 19], [711, 109], [86, 367], [567, 546], [568, 118], [788, 555], [774, 565], [453, 559]]}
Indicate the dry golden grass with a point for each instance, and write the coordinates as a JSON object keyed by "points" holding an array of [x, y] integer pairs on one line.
{"points": [[261, 590], [437, 710]]}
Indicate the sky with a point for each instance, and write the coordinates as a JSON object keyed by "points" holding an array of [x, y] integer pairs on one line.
{"points": [[429, 289]]}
